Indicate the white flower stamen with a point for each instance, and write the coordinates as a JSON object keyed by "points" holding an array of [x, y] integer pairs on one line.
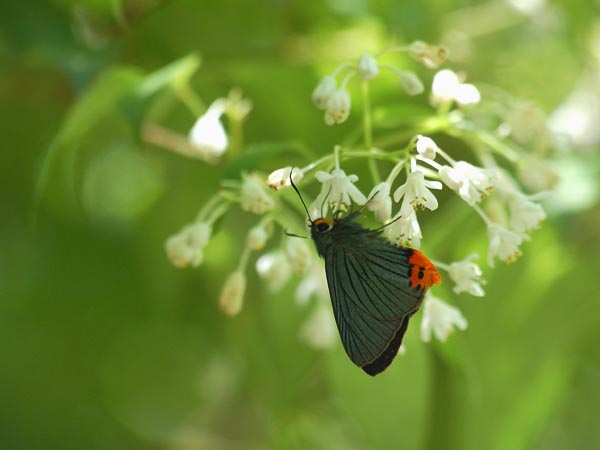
{"points": [[337, 191], [472, 183], [504, 244], [416, 191]]}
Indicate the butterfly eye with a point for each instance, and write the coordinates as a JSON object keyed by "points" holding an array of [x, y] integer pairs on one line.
{"points": [[323, 227]]}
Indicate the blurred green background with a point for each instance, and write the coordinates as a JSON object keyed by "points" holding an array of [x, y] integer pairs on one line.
{"points": [[104, 345]]}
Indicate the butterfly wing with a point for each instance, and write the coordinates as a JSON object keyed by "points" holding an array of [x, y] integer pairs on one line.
{"points": [[373, 291]]}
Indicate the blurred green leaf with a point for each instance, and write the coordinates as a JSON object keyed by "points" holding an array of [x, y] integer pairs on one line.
{"points": [[119, 186]]}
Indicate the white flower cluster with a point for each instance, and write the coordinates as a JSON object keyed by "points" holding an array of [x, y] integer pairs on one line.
{"points": [[418, 173], [335, 100]]}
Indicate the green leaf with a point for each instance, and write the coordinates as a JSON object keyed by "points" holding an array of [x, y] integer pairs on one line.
{"points": [[175, 76], [56, 182]]}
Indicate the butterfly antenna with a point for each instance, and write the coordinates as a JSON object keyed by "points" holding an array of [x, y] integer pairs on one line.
{"points": [[299, 195]]}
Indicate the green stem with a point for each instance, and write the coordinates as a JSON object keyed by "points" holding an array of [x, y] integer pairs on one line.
{"points": [[447, 403], [368, 131], [236, 129], [190, 99]]}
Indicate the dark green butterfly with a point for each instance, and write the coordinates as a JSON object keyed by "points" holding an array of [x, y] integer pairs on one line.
{"points": [[375, 287]]}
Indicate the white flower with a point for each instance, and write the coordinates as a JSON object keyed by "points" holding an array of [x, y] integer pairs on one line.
{"points": [[207, 135], [254, 197], [440, 318], [324, 91], [380, 202], [257, 236], [426, 147], [536, 173], [467, 276], [416, 191], [320, 330], [411, 83], [472, 183], [504, 244], [338, 188], [298, 255], [337, 108], [367, 67], [280, 178], [187, 247], [314, 283], [525, 214], [274, 268], [406, 230], [430, 55], [447, 87], [232, 295]]}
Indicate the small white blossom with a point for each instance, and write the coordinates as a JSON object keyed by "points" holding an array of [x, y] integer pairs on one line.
{"points": [[337, 108], [324, 90], [298, 255], [254, 197], [536, 174], [274, 268], [313, 284], [430, 55], [467, 276], [367, 67], [525, 214], [411, 83], [257, 236], [504, 244], [320, 331], [472, 183], [207, 135], [380, 202], [416, 191], [406, 230], [337, 191], [232, 295], [186, 248], [440, 318], [447, 87], [426, 147], [280, 178]]}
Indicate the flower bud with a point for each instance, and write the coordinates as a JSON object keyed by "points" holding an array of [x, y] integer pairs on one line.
{"points": [[430, 55], [255, 197], [232, 295], [337, 108], [280, 178], [367, 67], [324, 91], [411, 83]]}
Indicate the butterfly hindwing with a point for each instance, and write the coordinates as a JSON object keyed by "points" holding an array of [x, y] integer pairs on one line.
{"points": [[372, 298]]}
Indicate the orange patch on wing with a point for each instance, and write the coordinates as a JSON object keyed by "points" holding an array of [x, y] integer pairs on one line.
{"points": [[423, 274]]}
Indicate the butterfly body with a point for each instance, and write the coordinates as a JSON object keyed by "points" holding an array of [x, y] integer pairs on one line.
{"points": [[375, 288]]}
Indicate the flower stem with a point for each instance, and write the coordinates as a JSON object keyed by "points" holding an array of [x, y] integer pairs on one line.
{"points": [[190, 99], [447, 403], [368, 131]]}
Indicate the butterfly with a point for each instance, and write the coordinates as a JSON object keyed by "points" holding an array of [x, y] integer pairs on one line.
{"points": [[374, 285]]}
